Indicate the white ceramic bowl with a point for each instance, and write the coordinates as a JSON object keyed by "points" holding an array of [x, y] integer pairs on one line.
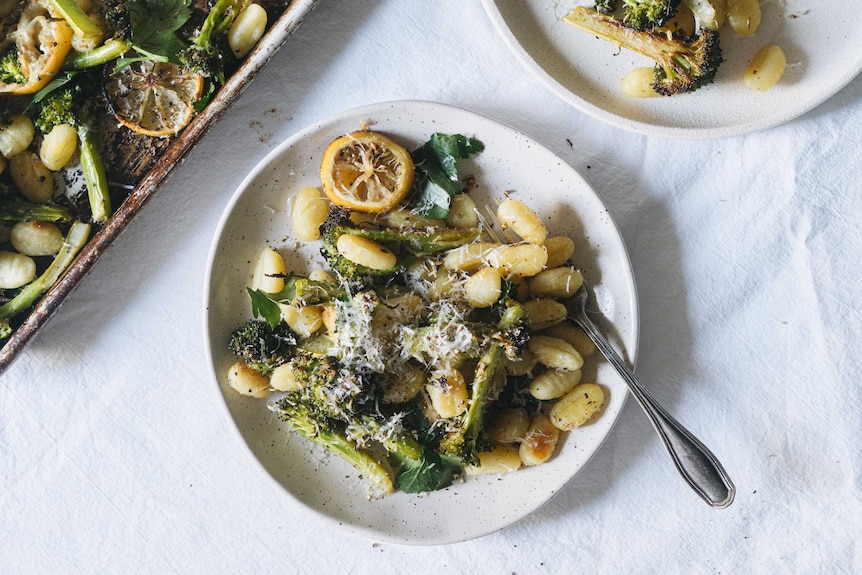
{"points": [[258, 215]]}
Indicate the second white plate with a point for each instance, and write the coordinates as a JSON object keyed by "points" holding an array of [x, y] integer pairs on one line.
{"points": [[823, 55], [258, 216]]}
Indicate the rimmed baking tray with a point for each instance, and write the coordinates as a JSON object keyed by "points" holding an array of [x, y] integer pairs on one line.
{"points": [[170, 158]]}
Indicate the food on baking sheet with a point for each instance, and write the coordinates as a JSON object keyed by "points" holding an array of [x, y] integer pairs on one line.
{"points": [[93, 92]]}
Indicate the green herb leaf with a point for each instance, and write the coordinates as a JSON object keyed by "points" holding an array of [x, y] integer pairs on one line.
{"points": [[154, 25], [263, 307], [428, 473], [437, 177]]}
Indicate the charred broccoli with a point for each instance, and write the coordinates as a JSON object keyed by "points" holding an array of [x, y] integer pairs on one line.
{"points": [[647, 14], [262, 347], [408, 243], [683, 64], [206, 54], [10, 68], [337, 408]]}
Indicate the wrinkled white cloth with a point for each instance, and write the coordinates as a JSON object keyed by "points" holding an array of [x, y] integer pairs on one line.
{"points": [[117, 457]]}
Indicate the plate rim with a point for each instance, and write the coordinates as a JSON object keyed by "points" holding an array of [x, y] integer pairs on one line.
{"points": [[369, 110], [651, 129]]}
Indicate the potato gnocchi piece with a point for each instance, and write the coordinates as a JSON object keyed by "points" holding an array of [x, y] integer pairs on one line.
{"points": [[765, 69], [269, 272], [447, 391], [519, 260], [483, 288], [552, 384], [310, 209], [247, 381], [525, 222], [365, 252], [577, 406], [560, 249], [555, 353], [507, 425], [499, 459], [558, 283], [405, 386], [575, 336], [539, 442]]}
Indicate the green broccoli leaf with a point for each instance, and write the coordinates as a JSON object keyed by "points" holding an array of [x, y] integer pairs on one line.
{"points": [[436, 165]]}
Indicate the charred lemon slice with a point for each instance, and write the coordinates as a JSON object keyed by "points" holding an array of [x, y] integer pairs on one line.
{"points": [[41, 41], [154, 98], [366, 172]]}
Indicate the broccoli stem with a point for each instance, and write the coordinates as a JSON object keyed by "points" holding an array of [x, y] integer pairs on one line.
{"points": [[344, 448], [14, 210], [218, 20], [484, 375], [77, 237], [77, 19], [107, 52], [418, 241], [618, 33], [94, 175]]}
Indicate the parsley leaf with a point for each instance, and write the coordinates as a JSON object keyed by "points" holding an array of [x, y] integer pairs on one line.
{"points": [[436, 166], [264, 307]]}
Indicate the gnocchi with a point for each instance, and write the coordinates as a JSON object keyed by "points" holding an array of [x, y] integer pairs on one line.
{"points": [[309, 211], [765, 69], [247, 30], [469, 341], [577, 406], [499, 459], [539, 442], [555, 353]]}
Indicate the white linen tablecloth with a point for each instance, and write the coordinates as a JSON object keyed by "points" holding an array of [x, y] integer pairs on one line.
{"points": [[116, 455]]}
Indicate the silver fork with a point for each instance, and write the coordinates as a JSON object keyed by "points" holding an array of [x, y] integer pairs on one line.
{"points": [[695, 462], [698, 466]]}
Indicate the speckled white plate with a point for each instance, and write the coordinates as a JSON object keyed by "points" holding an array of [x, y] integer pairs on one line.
{"points": [[258, 215], [824, 54]]}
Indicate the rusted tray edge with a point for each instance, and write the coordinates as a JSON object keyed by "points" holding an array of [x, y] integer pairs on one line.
{"points": [[179, 149]]}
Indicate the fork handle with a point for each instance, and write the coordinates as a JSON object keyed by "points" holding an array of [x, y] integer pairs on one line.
{"points": [[698, 466]]}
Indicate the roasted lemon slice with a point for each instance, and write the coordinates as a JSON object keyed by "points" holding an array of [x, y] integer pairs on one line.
{"points": [[42, 41], [154, 98], [366, 172]]}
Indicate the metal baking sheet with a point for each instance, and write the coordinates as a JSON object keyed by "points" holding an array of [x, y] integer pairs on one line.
{"points": [[169, 159]]}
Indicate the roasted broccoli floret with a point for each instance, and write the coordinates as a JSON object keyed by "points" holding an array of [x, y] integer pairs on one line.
{"points": [[407, 243], [206, 54], [262, 347], [683, 64], [463, 438], [338, 408], [647, 14], [10, 68], [76, 103], [330, 435]]}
